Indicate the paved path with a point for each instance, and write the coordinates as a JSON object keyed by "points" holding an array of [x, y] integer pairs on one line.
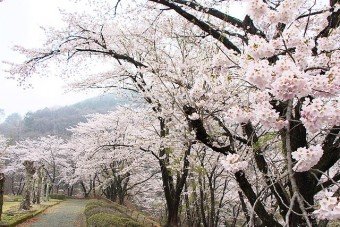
{"points": [[66, 214]]}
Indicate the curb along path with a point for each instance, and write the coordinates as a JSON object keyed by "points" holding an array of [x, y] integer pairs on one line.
{"points": [[66, 214]]}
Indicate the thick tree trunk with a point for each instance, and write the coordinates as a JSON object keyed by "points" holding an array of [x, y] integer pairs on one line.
{"points": [[173, 219], [39, 183], [2, 184], [26, 200]]}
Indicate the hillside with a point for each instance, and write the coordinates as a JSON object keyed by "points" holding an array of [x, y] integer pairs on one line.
{"points": [[55, 121]]}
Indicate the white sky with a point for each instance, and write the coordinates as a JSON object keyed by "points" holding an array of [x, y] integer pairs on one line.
{"points": [[20, 22]]}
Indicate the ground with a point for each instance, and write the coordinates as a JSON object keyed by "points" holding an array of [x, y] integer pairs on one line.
{"points": [[66, 214]]}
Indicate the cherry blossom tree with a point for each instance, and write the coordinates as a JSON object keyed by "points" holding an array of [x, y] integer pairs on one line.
{"points": [[263, 91], [105, 151], [43, 159]]}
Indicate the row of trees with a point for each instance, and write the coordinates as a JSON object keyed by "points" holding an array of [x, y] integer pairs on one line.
{"points": [[259, 94], [122, 161]]}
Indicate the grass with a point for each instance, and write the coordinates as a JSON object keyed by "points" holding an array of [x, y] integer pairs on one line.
{"points": [[12, 216]]}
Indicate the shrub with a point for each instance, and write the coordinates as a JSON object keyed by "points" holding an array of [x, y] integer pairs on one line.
{"points": [[96, 210], [97, 203], [100, 213], [130, 223], [58, 196], [104, 220], [89, 208]]}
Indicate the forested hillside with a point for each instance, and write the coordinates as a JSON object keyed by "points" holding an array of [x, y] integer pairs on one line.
{"points": [[55, 121]]}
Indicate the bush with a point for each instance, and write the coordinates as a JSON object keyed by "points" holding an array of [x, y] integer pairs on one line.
{"points": [[96, 209], [58, 196], [101, 213], [97, 203], [89, 208], [130, 223], [103, 220]]}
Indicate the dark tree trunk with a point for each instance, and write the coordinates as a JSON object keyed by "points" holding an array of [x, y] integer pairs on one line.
{"points": [[173, 219], [172, 189], [2, 184], [70, 190]]}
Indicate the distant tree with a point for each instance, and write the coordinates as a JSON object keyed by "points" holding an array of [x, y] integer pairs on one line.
{"points": [[12, 127]]}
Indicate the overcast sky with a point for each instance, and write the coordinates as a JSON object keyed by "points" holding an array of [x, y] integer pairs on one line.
{"points": [[20, 22]]}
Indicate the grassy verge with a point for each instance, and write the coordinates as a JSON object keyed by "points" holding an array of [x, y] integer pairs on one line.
{"points": [[12, 216], [104, 213]]}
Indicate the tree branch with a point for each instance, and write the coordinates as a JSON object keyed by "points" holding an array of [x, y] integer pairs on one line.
{"points": [[204, 26]]}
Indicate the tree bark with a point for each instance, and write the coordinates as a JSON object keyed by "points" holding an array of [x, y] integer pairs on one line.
{"points": [[2, 184], [39, 183], [26, 200]]}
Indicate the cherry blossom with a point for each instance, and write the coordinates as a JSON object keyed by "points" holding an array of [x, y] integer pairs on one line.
{"points": [[307, 157], [329, 207], [232, 163]]}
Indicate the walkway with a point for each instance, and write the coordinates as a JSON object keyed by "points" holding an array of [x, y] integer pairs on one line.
{"points": [[66, 214]]}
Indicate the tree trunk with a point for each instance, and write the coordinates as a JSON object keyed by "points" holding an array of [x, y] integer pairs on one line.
{"points": [[2, 184], [39, 183], [26, 200], [21, 186], [47, 191], [173, 219], [34, 192], [70, 190]]}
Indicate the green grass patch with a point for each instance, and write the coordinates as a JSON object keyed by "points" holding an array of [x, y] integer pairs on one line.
{"points": [[12, 216], [9, 205], [12, 198]]}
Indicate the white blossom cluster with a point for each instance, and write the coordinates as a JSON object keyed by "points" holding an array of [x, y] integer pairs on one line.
{"points": [[307, 157], [261, 112], [258, 48], [329, 208], [288, 86], [233, 164], [317, 114], [261, 12]]}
